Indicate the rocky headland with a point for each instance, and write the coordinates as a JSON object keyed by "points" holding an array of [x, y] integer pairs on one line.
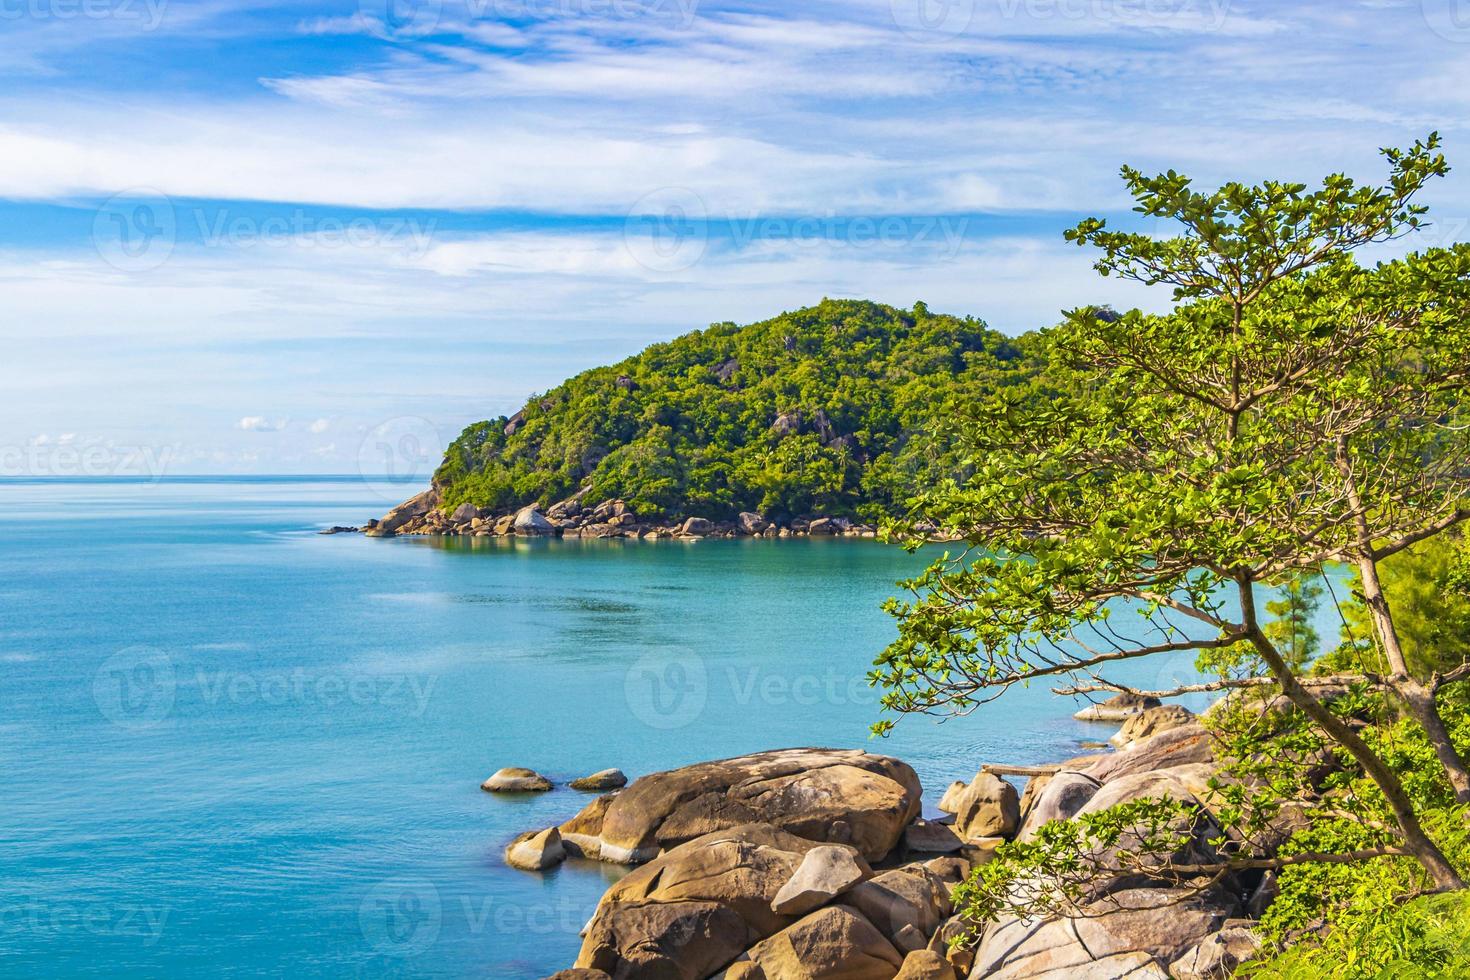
{"points": [[820, 863], [574, 517]]}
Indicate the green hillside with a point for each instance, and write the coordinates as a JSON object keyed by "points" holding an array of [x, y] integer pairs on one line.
{"points": [[825, 410]]}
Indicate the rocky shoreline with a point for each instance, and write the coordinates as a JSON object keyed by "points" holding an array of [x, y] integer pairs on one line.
{"points": [[819, 863], [575, 518]]}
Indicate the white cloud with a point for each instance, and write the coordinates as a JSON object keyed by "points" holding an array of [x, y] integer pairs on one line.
{"points": [[319, 426], [258, 423]]}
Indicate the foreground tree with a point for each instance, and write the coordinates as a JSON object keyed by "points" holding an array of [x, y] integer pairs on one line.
{"points": [[1294, 411]]}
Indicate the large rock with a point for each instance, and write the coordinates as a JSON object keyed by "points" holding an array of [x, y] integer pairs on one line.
{"points": [[928, 837], [1063, 794], [1150, 722], [535, 851], [465, 512], [516, 780], [1131, 934], [412, 508], [693, 910], [531, 522], [823, 795], [823, 874], [988, 807], [1174, 747], [907, 902], [834, 943], [1119, 707], [695, 527], [925, 964], [601, 782], [1216, 957], [950, 801], [752, 523]]}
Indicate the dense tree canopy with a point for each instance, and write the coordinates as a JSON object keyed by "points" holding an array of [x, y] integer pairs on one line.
{"points": [[1295, 410], [824, 410]]}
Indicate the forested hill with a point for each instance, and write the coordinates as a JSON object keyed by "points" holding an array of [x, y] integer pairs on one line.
{"points": [[826, 410]]}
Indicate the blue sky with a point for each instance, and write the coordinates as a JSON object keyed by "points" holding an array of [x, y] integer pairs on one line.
{"points": [[276, 237]]}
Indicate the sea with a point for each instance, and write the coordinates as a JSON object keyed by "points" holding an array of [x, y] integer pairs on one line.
{"points": [[233, 746]]}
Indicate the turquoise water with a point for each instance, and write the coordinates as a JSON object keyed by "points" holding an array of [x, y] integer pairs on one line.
{"points": [[235, 747]]}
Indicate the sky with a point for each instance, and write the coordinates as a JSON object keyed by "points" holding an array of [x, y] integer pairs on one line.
{"points": [[260, 236]]}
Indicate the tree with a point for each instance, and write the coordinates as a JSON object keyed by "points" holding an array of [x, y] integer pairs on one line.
{"points": [[1294, 410]]}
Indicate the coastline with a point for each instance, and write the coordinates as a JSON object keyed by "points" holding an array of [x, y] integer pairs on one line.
{"points": [[816, 862], [423, 514]]}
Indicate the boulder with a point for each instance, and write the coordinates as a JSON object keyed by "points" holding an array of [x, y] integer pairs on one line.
{"points": [[895, 900], [414, 507], [1216, 957], [950, 801], [505, 525], [752, 523], [579, 975], [691, 911], [601, 782], [834, 943], [536, 851], [465, 512], [925, 964], [1119, 707], [1060, 798], [822, 795], [822, 525], [988, 807], [928, 837], [695, 527], [1130, 934], [516, 780], [531, 522], [823, 874], [1173, 747], [1150, 722]]}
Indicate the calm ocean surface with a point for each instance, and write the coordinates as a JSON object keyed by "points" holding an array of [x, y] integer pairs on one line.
{"points": [[235, 747]]}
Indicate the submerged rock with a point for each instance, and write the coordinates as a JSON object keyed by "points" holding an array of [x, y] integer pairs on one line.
{"points": [[601, 782], [536, 850], [1119, 707], [516, 780]]}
